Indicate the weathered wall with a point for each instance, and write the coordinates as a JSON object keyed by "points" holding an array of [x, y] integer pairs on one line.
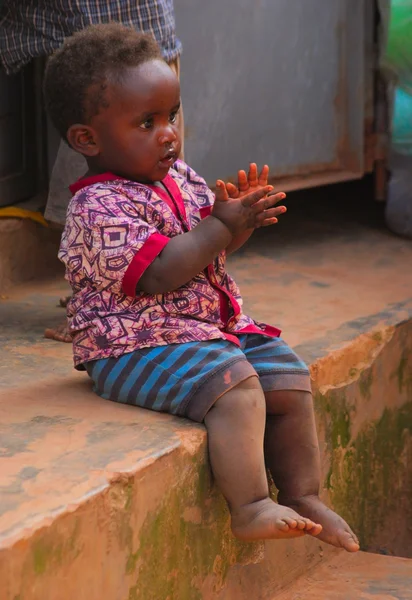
{"points": [[367, 427], [301, 111], [27, 251]]}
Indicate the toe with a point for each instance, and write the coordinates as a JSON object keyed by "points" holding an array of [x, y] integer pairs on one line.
{"points": [[285, 524], [302, 524], [316, 529], [312, 525], [349, 541]]}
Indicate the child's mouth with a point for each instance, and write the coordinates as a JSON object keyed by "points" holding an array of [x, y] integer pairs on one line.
{"points": [[168, 159]]}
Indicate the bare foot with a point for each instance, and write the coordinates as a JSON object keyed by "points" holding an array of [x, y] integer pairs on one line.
{"points": [[335, 530], [59, 334], [64, 300], [265, 520]]}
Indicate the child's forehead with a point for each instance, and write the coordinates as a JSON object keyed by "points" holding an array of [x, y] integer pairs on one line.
{"points": [[148, 82]]}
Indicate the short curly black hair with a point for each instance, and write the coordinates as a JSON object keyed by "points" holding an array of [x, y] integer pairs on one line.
{"points": [[77, 75]]}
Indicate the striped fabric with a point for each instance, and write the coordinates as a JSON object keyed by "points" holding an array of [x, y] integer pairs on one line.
{"points": [[186, 379], [33, 28]]}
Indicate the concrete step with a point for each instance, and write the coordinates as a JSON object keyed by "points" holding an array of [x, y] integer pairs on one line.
{"points": [[101, 501], [360, 577], [97, 497], [28, 251]]}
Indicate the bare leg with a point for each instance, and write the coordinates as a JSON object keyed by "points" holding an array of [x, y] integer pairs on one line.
{"points": [[292, 455], [235, 426]]}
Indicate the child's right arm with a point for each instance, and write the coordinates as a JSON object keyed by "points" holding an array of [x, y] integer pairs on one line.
{"points": [[188, 254]]}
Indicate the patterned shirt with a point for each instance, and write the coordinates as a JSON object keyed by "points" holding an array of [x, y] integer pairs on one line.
{"points": [[115, 228], [32, 28]]}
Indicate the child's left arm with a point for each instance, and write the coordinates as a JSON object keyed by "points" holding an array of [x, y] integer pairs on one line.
{"points": [[248, 183]]}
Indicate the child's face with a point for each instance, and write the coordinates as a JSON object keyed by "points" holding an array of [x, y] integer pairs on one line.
{"points": [[137, 136]]}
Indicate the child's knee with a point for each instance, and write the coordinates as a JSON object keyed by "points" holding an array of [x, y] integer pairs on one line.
{"points": [[247, 396], [280, 402]]}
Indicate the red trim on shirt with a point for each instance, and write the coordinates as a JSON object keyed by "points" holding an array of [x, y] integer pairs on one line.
{"points": [[174, 191], [86, 181], [225, 297], [231, 338], [266, 330], [205, 212], [165, 196], [171, 195], [142, 260]]}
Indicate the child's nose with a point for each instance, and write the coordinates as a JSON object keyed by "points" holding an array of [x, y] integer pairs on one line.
{"points": [[167, 135]]}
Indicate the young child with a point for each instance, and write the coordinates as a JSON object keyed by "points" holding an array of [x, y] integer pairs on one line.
{"points": [[156, 320]]}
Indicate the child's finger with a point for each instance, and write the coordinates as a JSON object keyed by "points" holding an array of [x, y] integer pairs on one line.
{"points": [[257, 195], [221, 191], [264, 175], [253, 175], [272, 213], [268, 202], [278, 196], [243, 183], [267, 222], [232, 190]]}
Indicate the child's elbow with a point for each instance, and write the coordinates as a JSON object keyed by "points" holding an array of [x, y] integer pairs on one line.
{"points": [[154, 281]]}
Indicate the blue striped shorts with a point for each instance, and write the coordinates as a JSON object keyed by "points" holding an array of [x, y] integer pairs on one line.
{"points": [[187, 379]]}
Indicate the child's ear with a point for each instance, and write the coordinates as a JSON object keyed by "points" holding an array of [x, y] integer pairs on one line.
{"points": [[82, 139]]}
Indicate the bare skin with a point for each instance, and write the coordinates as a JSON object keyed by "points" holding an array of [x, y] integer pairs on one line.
{"points": [[291, 434], [236, 425], [64, 300], [59, 334]]}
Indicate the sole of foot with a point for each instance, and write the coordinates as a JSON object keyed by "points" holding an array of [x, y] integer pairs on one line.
{"points": [[335, 530], [266, 520]]}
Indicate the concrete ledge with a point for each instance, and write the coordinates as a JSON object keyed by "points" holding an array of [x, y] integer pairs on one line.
{"points": [[354, 577], [106, 501], [27, 251]]}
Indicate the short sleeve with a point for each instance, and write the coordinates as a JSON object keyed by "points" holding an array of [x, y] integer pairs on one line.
{"points": [[198, 185], [111, 249]]}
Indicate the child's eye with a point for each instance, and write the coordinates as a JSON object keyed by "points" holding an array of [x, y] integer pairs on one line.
{"points": [[173, 116], [148, 124]]}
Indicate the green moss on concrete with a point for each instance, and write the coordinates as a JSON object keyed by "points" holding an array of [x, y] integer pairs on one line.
{"points": [[404, 375], [368, 474], [365, 384], [365, 485], [377, 337], [50, 550], [41, 555], [178, 548], [335, 413]]}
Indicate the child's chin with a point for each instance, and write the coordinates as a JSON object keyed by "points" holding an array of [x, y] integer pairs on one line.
{"points": [[162, 171]]}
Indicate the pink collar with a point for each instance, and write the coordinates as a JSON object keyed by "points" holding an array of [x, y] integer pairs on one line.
{"points": [[86, 181], [167, 181]]}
